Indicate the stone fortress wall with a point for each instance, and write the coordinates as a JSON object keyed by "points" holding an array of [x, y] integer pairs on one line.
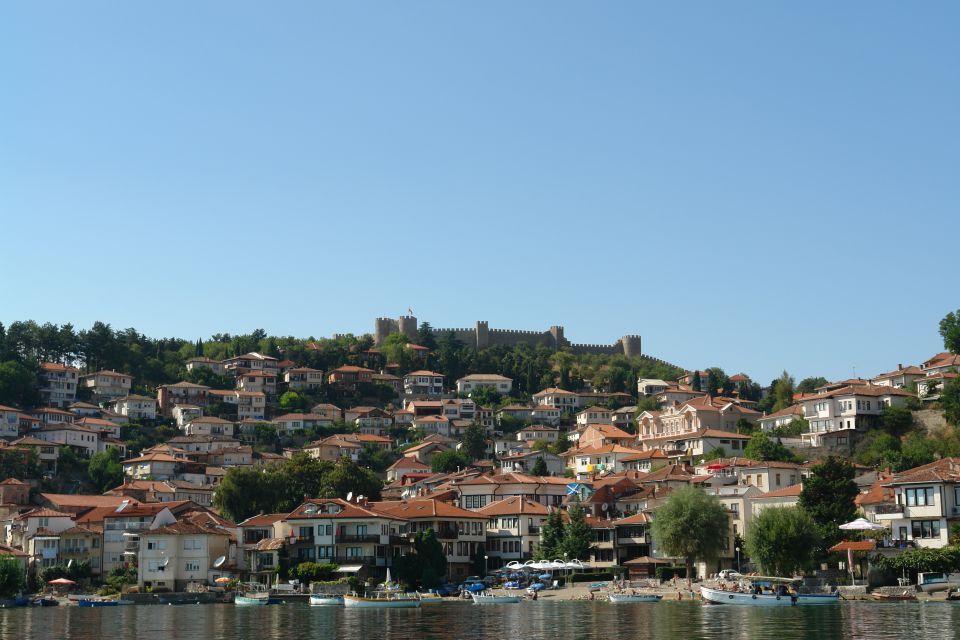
{"points": [[482, 336]]}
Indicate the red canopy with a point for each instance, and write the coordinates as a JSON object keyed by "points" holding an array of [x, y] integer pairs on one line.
{"points": [[63, 581]]}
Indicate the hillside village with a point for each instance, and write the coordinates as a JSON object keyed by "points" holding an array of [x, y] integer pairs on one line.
{"points": [[205, 461]]}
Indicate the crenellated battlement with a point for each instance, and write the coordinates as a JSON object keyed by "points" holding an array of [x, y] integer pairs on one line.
{"points": [[482, 336]]}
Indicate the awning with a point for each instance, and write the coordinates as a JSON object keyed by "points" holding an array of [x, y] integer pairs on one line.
{"points": [[854, 545], [646, 560], [350, 568], [716, 467]]}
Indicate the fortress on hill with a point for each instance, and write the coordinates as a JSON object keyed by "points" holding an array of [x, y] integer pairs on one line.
{"points": [[482, 336]]}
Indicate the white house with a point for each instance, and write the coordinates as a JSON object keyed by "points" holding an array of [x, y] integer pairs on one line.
{"points": [[467, 384]]}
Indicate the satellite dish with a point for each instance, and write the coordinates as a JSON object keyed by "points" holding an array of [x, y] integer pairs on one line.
{"points": [[311, 508], [604, 506], [349, 496], [219, 562], [70, 563], [165, 563]]}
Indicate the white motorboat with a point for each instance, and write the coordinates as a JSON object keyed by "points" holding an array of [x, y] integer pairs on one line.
{"points": [[634, 597], [767, 592], [489, 598], [323, 600], [382, 600], [934, 581]]}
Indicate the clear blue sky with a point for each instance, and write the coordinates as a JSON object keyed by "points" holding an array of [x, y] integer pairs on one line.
{"points": [[754, 185]]}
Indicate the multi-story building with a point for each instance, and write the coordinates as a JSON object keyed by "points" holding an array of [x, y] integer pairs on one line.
{"points": [[170, 395], [848, 408], [467, 384], [136, 407], [259, 543], [423, 383], [901, 378], [594, 415], [106, 385], [652, 386], [252, 362], [215, 366], [174, 555], [299, 378], [349, 377], [250, 405], [122, 528], [209, 426], [262, 381], [927, 503], [703, 412], [512, 530], [350, 534], [9, 422], [539, 432], [566, 401], [58, 384], [482, 490], [462, 533]]}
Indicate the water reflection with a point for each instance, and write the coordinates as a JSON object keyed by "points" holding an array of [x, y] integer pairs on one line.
{"points": [[527, 621]]}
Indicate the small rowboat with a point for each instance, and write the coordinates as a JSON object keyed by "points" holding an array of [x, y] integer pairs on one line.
{"points": [[382, 600], [635, 597], [489, 598], [321, 600], [894, 597]]}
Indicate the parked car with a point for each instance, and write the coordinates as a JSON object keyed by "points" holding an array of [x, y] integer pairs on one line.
{"points": [[728, 574]]}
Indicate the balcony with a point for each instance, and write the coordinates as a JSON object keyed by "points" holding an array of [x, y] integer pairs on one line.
{"points": [[73, 552], [348, 560], [889, 511], [374, 538], [533, 530], [403, 538], [304, 539], [444, 533]]}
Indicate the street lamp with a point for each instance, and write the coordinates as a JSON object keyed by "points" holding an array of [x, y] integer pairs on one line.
{"points": [[737, 548], [486, 566]]}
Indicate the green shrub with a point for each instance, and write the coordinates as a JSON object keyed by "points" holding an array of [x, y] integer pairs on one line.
{"points": [[667, 573]]}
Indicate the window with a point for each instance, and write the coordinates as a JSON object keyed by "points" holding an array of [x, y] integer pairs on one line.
{"points": [[354, 552], [191, 566], [919, 496], [192, 544], [926, 528]]}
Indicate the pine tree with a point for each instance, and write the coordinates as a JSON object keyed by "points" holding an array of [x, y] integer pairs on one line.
{"points": [[539, 467], [577, 535], [551, 535], [696, 383]]}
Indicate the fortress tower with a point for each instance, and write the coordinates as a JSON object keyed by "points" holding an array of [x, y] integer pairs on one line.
{"points": [[407, 325], [631, 346]]}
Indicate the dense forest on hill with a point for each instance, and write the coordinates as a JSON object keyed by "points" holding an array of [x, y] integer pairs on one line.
{"points": [[155, 361]]}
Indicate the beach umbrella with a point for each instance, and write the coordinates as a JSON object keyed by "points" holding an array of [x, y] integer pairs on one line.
{"points": [[62, 581], [862, 524], [388, 575], [222, 580]]}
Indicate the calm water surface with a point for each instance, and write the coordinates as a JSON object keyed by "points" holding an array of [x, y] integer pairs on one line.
{"points": [[527, 621]]}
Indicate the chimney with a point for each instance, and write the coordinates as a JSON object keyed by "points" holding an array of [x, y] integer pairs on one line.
{"points": [[899, 367]]}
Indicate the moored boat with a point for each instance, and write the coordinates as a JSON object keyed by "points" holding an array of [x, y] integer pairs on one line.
{"points": [[906, 596], [767, 592], [634, 597], [102, 602], [324, 600], [934, 581], [382, 600], [489, 598], [19, 601]]}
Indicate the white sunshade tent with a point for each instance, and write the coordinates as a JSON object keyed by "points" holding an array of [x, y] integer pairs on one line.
{"points": [[862, 524]]}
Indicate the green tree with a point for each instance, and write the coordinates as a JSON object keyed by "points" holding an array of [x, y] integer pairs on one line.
{"points": [[950, 400], [577, 535], [691, 524], [308, 572], [19, 384], [878, 449], [783, 392], [950, 331], [828, 496], [13, 579], [246, 491], [945, 559], [349, 477], [539, 467], [763, 447], [551, 536], [425, 337], [475, 442], [486, 397], [449, 461], [782, 540], [696, 383], [809, 385], [104, 470], [427, 565], [897, 421], [292, 401]]}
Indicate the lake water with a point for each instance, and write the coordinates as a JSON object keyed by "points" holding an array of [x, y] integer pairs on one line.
{"points": [[526, 621]]}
